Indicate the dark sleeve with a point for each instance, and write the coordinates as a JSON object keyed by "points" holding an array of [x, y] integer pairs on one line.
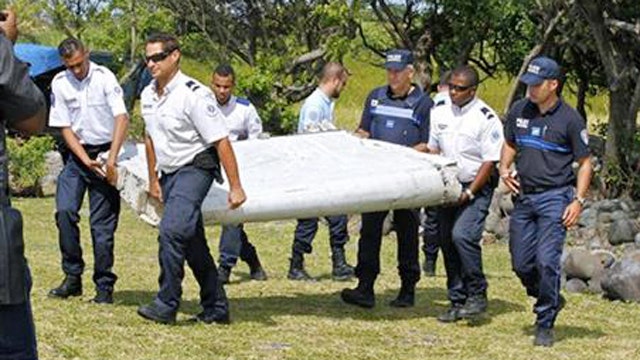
{"points": [[20, 98], [365, 121], [509, 125], [423, 113], [578, 136]]}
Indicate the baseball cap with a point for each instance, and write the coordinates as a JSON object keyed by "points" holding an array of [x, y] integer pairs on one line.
{"points": [[398, 59], [541, 69]]}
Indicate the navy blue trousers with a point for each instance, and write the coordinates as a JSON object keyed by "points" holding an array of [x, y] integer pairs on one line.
{"points": [[406, 225], [234, 243], [430, 234], [182, 238], [17, 332], [307, 228], [104, 209], [536, 239], [460, 229]]}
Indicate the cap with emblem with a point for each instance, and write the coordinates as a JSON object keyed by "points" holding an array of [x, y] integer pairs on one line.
{"points": [[398, 59], [541, 69]]}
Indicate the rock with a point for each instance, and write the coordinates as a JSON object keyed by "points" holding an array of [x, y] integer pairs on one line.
{"points": [[604, 218], [626, 207], [588, 218], [636, 240], [619, 215], [606, 258], [595, 283], [576, 286], [581, 264], [622, 280], [608, 205], [54, 165], [623, 231]]}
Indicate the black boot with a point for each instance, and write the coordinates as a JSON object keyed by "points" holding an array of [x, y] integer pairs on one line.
{"points": [[224, 273], [361, 296], [296, 268], [543, 337], [341, 271], [71, 286], [475, 305], [256, 272], [406, 297], [429, 267]]}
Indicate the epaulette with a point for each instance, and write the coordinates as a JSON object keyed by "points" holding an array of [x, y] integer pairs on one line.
{"points": [[488, 113], [192, 85], [58, 75], [243, 101], [441, 102]]}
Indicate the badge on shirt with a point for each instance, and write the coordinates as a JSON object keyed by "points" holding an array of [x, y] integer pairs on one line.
{"points": [[495, 135], [536, 131], [211, 110], [389, 124], [522, 123], [584, 135], [117, 90], [374, 102]]}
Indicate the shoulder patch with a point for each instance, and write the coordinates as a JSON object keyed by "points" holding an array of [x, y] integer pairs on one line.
{"points": [[192, 85], [243, 101], [487, 112]]}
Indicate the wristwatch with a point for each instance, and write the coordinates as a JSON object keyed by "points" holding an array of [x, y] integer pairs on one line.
{"points": [[580, 200], [469, 194]]}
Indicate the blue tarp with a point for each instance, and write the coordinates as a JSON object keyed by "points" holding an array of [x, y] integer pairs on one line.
{"points": [[41, 58]]}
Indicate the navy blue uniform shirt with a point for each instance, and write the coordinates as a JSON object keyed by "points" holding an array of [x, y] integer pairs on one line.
{"points": [[399, 120], [547, 144]]}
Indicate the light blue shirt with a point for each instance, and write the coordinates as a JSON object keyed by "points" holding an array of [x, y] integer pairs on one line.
{"points": [[317, 109]]}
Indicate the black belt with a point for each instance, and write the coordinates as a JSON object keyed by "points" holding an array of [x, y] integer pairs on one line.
{"points": [[538, 189]]}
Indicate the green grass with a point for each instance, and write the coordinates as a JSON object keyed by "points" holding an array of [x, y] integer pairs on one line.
{"points": [[281, 319]]}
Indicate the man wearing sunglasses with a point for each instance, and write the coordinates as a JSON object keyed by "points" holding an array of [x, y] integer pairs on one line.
{"points": [[186, 141], [468, 131], [87, 105], [397, 113], [544, 136], [243, 123]]}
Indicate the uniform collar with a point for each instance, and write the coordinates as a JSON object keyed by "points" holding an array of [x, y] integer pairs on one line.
{"points": [[173, 83], [92, 67], [414, 89], [534, 107], [323, 96], [464, 109], [229, 103]]}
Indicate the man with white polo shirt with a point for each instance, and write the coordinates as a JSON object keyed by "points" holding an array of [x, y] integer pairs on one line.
{"points": [[243, 123], [468, 131], [87, 105], [186, 141]]}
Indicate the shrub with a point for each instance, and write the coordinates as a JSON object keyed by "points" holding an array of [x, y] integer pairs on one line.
{"points": [[27, 162]]}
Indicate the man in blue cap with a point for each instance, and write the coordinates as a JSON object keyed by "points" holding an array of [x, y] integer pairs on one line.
{"points": [[547, 136], [397, 113]]}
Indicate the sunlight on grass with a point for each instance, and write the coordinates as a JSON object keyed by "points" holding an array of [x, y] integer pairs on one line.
{"points": [[282, 319]]}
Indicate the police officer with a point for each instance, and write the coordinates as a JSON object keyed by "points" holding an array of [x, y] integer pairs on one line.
{"points": [[470, 132], [316, 115], [397, 113], [87, 106], [243, 122], [23, 108], [544, 136], [430, 235], [186, 141]]}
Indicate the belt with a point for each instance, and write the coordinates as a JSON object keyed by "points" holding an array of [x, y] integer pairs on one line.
{"points": [[538, 189]]}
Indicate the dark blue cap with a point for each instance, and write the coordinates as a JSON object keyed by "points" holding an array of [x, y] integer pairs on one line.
{"points": [[398, 59], [541, 69]]}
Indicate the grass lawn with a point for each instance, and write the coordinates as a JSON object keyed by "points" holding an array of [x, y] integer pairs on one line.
{"points": [[281, 319]]}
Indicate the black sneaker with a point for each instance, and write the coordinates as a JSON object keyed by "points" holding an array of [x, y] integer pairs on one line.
{"points": [[451, 315], [358, 298], [343, 272], [103, 297], [224, 273], [544, 337], [154, 313], [474, 306], [258, 274], [212, 317], [299, 274]]}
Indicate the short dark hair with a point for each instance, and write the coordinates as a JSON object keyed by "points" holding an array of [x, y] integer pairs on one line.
{"points": [[468, 72], [333, 70], [168, 41], [70, 46], [225, 70]]}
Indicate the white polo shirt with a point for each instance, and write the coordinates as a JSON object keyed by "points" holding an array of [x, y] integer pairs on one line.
{"points": [[241, 118], [87, 106], [469, 135], [183, 122]]}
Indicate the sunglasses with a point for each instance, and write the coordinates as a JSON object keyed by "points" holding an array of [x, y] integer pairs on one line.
{"points": [[157, 57], [460, 87]]}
